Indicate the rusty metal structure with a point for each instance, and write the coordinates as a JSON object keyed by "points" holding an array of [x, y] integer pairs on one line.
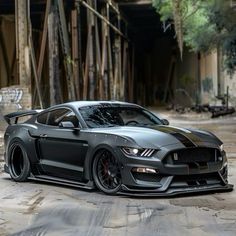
{"points": [[91, 43], [85, 44], [81, 49], [53, 51]]}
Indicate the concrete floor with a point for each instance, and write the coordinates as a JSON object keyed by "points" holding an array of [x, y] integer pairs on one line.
{"points": [[42, 209]]}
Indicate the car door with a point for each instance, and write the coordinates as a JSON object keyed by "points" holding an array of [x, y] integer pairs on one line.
{"points": [[62, 150]]}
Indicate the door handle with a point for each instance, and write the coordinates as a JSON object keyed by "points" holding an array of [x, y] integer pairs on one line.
{"points": [[43, 136]]}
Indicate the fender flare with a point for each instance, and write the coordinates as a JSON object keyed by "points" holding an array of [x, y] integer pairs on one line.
{"points": [[89, 159]]}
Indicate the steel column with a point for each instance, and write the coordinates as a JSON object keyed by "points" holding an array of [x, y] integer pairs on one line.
{"points": [[22, 43]]}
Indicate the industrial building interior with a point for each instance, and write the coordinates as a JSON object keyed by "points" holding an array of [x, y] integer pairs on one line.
{"points": [[102, 50]]}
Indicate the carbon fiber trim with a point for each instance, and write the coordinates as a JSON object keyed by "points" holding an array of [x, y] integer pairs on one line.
{"points": [[179, 191]]}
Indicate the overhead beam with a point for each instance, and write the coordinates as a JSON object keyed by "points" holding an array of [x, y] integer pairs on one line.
{"points": [[113, 5], [88, 6], [132, 3]]}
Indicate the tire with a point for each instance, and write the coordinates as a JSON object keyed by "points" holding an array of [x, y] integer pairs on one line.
{"points": [[106, 172], [19, 165]]}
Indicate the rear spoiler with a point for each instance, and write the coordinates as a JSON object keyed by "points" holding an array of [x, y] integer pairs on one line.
{"points": [[12, 118]]}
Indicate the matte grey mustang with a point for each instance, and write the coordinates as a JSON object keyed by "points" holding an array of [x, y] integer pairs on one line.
{"points": [[114, 146]]}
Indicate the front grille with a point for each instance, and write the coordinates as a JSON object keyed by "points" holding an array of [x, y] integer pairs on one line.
{"points": [[196, 180], [198, 177], [192, 156]]}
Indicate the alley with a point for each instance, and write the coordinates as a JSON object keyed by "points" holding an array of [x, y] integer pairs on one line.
{"points": [[42, 209]]}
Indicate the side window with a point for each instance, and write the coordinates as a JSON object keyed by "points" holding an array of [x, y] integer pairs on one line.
{"points": [[59, 115], [42, 119]]}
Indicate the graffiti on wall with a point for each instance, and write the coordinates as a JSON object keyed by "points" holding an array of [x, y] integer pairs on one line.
{"points": [[10, 96]]}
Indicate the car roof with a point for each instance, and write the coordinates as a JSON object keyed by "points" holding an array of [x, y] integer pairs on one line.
{"points": [[79, 104]]}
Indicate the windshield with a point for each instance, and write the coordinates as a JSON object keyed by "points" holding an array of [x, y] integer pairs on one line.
{"points": [[108, 116]]}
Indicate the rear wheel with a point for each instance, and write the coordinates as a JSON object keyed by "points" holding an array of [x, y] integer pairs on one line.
{"points": [[19, 165], [106, 172]]}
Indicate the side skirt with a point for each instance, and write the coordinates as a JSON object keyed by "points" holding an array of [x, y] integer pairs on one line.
{"points": [[56, 180]]}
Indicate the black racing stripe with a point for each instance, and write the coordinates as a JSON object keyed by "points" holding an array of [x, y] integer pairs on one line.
{"points": [[183, 139], [188, 139]]}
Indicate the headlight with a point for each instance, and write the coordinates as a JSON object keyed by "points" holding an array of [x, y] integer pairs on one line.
{"points": [[221, 147], [142, 152], [132, 151]]}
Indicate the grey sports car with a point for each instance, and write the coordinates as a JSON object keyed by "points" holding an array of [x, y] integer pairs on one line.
{"points": [[115, 146]]}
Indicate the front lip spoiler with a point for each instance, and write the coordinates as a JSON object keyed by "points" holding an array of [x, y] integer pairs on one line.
{"points": [[177, 191]]}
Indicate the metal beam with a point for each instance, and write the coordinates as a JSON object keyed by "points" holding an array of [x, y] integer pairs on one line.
{"points": [[44, 39], [132, 3], [102, 18], [22, 7], [80, 63], [103, 82], [64, 36], [5, 56], [92, 72], [99, 79], [43, 45], [113, 5], [33, 60], [110, 60], [54, 78], [75, 51]]}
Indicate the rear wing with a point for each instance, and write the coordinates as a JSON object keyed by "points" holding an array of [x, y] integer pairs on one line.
{"points": [[12, 118]]}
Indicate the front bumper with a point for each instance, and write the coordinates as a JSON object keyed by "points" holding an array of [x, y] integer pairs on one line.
{"points": [[173, 180]]}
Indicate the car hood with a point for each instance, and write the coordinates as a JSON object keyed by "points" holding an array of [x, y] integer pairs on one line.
{"points": [[161, 135]]}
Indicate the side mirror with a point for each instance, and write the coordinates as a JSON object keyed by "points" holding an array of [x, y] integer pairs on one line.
{"points": [[165, 122], [66, 125]]}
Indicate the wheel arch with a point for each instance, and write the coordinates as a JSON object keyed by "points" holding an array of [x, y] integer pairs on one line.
{"points": [[90, 159], [19, 165], [22, 136], [112, 182], [10, 147]]}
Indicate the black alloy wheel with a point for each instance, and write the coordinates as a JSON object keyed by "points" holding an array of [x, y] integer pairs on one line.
{"points": [[19, 165], [106, 172]]}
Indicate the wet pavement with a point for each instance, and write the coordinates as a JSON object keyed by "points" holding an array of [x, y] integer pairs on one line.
{"points": [[42, 209]]}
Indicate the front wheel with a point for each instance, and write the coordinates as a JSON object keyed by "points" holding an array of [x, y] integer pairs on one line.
{"points": [[106, 172], [19, 165]]}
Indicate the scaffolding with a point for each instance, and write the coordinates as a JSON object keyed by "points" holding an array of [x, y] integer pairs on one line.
{"points": [[86, 46]]}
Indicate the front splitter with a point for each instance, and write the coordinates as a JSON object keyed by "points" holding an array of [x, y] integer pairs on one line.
{"points": [[177, 191]]}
